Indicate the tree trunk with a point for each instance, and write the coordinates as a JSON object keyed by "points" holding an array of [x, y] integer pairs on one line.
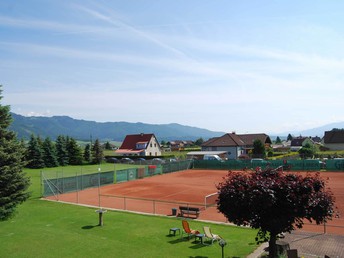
{"points": [[272, 245]]}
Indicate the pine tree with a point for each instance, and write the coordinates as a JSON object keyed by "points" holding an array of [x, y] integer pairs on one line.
{"points": [[61, 150], [97, 152], [34, 155], [87, 153], [258, 149], [74, 152], [13, 182], [108, 146], [49, 153]]}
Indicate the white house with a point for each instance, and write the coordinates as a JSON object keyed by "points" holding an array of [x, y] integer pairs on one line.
{"points": [[140, 145]]}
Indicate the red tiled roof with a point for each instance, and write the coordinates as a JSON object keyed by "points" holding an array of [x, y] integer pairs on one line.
{"points": [[130, 141]]}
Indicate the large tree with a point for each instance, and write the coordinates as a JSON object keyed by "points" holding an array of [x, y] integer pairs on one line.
{"points": [[49, 153], [274, 202], [13, 182], [74, 152], [97, 152], [258, 149], [61, 150], [199, 141], [108, 146], [87, 153], [307, 151], [35, 153]]}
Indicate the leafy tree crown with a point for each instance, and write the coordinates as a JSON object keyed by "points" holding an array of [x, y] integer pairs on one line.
{"points": [[274, 202]]}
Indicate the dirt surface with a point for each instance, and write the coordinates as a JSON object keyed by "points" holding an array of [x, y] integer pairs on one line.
{"points": [[162, 193]]}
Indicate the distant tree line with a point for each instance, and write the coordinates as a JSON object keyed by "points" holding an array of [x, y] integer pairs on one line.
{"points": [[64, 151]]}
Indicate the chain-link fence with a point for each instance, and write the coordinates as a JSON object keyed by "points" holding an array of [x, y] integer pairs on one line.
{"points": [[289, 165], [59, 182]]}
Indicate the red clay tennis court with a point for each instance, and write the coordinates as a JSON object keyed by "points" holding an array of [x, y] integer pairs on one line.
{"points": [[162, 194]]}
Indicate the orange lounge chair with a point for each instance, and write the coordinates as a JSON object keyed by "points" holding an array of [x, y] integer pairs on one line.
{"points": [[187, 230]]}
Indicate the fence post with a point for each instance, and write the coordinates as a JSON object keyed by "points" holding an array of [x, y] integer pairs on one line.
{"points": [[99, 187], [114, 172], [77, 187], [57, 183], [42, 183]]}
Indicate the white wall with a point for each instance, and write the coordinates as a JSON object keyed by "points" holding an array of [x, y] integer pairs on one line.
{"points": [[153, 148], [335, 146]]}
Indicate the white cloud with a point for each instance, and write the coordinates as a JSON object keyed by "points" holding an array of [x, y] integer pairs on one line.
{"points": [[199, 70]]}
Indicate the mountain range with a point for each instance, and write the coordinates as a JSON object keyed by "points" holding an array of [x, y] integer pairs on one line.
{"points": [[108, 131], [318, 131], [116, 131]]}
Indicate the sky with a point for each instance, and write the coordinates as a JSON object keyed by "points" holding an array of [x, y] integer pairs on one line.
{"points": [[251, 66]]}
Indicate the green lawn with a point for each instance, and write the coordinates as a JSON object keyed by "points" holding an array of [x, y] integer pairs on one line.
{"points": [[48, 229]]}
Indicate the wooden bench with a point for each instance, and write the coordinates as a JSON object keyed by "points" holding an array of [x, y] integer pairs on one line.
{"points": [[189, 211]]}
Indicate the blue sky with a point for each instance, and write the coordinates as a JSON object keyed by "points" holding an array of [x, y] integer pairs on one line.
{"points": [[245, 66]]}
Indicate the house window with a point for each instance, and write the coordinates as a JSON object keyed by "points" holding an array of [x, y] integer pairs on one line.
{"points": [[150, 154], [151, 145], [154, 144], [141, 145]]}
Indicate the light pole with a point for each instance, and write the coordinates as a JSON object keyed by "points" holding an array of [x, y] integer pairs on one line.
{"points": [[100, 211], [99, 186], [222, 243]]}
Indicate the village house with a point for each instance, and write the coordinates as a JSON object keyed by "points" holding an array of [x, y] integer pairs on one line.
{"points": [[284, 146], [140, 145], [236, 145], [334, 140], [178, 145], [298, 142]]}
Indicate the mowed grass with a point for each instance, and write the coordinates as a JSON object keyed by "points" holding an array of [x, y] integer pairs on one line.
{"points": [[49, 229]]}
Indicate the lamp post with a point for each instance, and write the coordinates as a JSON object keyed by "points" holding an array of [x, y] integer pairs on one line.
{"points": [[222, 243], [99, 186]]}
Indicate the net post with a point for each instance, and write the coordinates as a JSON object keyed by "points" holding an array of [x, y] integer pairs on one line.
{"points": [[41, 183]]}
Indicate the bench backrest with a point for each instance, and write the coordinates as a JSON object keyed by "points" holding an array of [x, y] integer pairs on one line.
{"points": [[188, 208]]}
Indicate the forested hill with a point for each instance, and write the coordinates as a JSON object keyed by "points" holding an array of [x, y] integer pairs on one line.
{"points": [[109, 131]]}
